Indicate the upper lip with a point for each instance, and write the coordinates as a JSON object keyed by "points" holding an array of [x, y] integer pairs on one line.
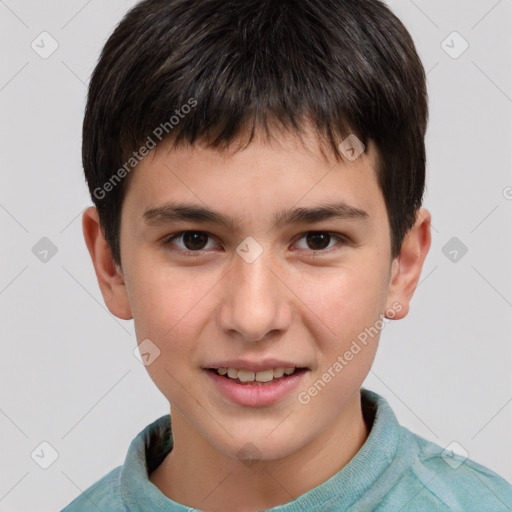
{"points": [[254, 366]]}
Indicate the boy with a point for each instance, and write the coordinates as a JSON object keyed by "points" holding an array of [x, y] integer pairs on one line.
{"points": [[257, 169]]}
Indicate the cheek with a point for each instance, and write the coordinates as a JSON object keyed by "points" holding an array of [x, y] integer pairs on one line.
{"points": [[169, 304], [169, 309], [343, 302], [344, 318]]}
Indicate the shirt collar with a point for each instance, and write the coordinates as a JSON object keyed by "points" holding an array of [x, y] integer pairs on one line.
{"points": [[150, 447]]}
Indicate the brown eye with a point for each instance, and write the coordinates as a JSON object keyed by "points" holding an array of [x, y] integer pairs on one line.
{"points": [[318, 240], [190, 241], [195, 240]]}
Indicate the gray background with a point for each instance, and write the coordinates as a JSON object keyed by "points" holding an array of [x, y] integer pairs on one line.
{"points": [[68, 373]]}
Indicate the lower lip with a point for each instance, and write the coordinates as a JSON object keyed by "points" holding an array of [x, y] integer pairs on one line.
{"points": [[256, 394]]}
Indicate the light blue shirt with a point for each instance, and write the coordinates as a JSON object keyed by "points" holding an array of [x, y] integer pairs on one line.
{"points": [[395, 470]]}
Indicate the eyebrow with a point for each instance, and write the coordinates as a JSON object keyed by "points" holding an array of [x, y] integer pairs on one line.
{"points": [[172, 212]]}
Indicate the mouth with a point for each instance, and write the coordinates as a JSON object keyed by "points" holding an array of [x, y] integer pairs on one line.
{"points": [[257, 378]]}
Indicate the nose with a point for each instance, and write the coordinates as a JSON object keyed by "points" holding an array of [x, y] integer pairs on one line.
{"points": [[255, 304]]}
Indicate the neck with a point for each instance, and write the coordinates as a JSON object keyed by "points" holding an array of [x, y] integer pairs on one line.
{"points": [[197, 475]]}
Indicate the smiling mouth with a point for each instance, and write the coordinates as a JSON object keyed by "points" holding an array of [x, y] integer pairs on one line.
{"points": [[270, 376]]}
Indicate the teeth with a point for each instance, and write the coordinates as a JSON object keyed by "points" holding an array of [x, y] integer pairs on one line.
{"points": [[248, 376], [278, 372], [265, 376], [245, 376]]}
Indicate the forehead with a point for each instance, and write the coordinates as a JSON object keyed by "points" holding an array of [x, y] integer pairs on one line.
{"points": [[262, 177]]}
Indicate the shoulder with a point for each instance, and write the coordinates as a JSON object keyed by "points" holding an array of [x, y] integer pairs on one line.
{"points": [[452, 480], [129, 482], [105, 494]]}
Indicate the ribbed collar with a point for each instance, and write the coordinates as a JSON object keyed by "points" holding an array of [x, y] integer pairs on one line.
{"points": [[338, 493]]}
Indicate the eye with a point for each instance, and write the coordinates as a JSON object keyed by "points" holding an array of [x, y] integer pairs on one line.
{"points": [[191, 241], [320, 240]]}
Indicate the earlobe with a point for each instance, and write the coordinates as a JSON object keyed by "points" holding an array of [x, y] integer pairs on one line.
{"points": [[109, 274], [406, 268]]}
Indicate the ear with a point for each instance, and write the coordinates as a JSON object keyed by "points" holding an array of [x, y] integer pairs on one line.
{"points": [[406, 267], [109, 274]]}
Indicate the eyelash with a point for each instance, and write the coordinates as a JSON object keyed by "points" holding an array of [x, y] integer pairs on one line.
{"points": [[199, 252]]}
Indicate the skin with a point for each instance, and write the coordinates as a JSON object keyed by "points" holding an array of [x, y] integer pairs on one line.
{"points": [[293, 302]]}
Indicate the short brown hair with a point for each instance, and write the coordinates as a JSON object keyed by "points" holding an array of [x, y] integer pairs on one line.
{"points": [[348, 66]]}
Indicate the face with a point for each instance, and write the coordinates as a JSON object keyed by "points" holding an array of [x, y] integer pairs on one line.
{"points": [[286, 265]]}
